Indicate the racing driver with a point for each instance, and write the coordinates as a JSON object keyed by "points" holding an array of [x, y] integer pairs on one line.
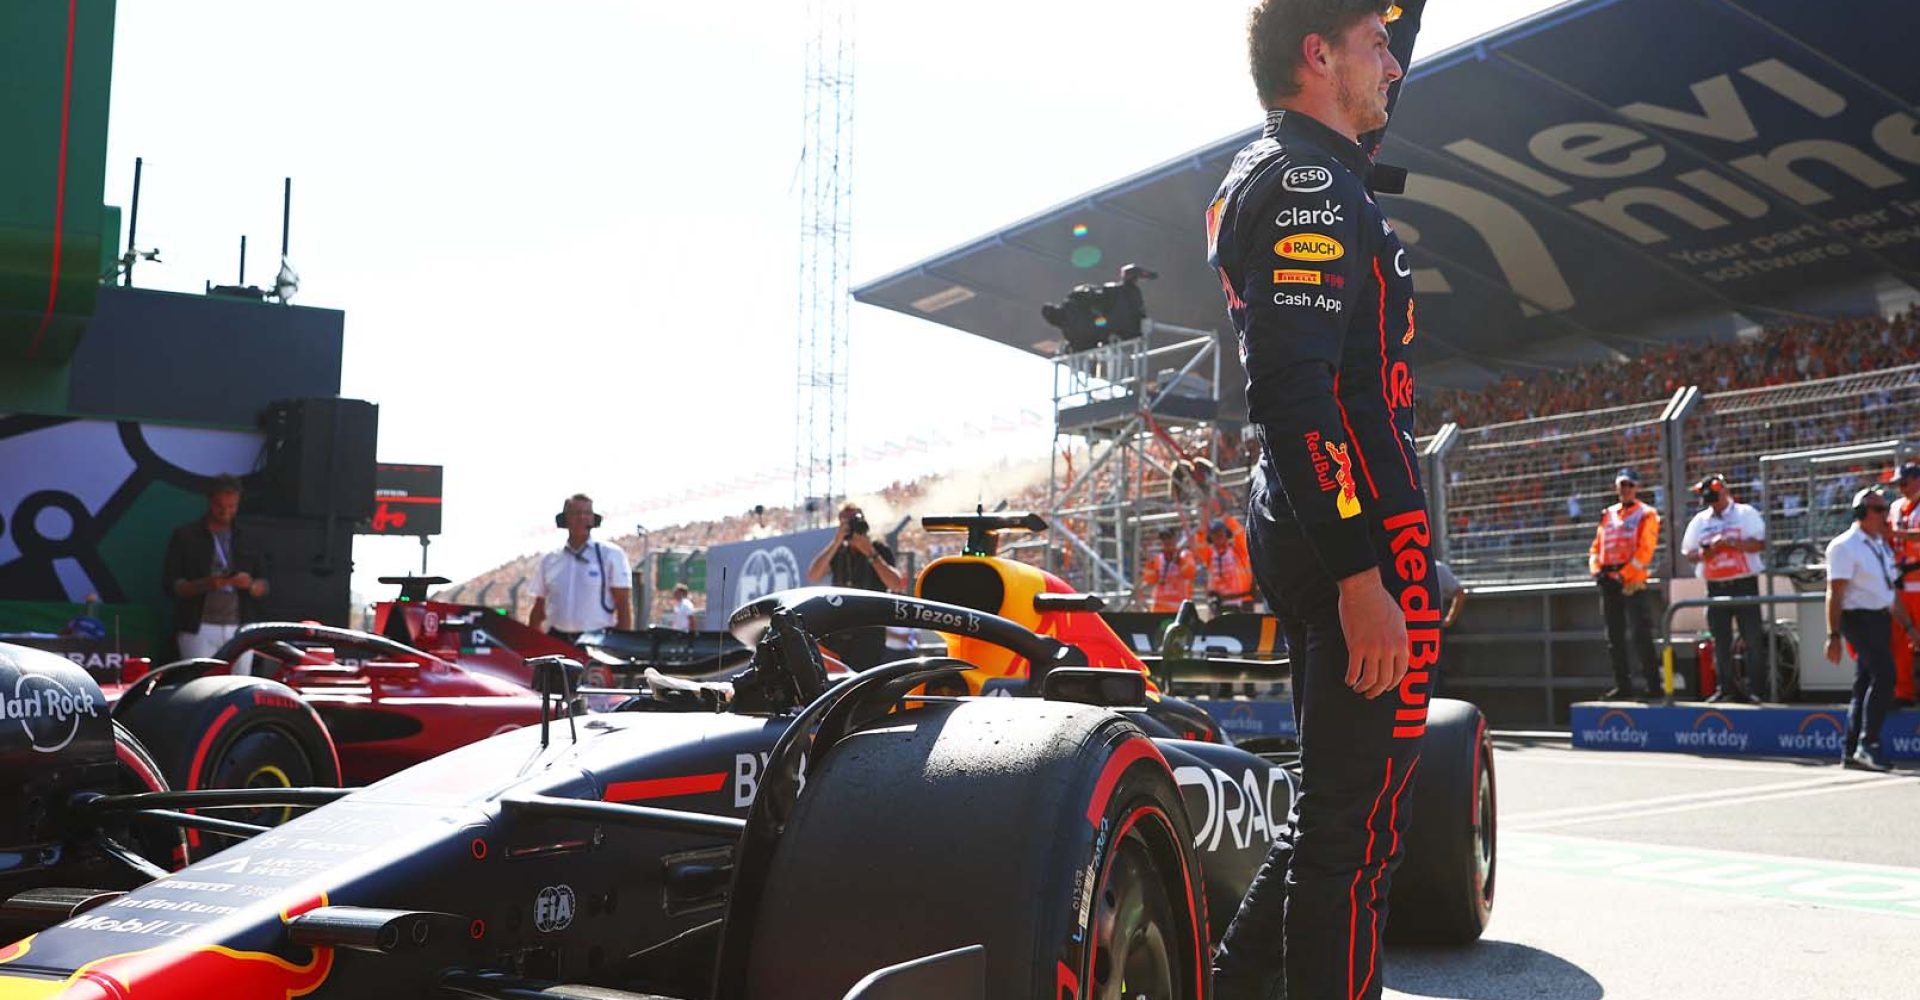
{"points": [[1319, 289]]}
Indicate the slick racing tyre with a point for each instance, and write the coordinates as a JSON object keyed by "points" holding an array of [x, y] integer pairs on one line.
{"points": [[1052, 834], [235, 732], [1443, 891]]}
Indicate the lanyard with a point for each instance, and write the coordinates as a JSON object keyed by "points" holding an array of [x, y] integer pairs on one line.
{"points": [[1884, 557], [221, 553]]}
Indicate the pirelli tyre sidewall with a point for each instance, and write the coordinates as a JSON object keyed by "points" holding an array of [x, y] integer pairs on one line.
{"points": [[1052, 834], [1443, 891], [235, 732]]}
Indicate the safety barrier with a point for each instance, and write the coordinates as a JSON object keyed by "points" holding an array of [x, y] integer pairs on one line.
{"points": [[1817, 731]]}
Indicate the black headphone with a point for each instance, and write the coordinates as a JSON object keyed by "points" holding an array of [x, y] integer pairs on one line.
{"points": [[1862, 498], [560, 519]]}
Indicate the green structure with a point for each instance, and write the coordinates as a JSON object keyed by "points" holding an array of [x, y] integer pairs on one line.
{"points": [[56, 237]]}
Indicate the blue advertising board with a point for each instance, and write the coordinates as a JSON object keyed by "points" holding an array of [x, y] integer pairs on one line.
{"points": [[1740, 730]]}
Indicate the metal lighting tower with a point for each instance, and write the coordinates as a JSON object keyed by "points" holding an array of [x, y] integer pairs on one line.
{"points": [[826, 253]]}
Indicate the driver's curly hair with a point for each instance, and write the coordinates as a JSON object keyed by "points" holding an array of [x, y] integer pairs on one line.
{"points": [[1275, 29]]}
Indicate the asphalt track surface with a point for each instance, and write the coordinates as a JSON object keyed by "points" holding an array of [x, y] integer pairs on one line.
{"points": [[1643, 876]]}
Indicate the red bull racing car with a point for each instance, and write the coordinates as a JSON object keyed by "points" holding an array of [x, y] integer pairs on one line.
{"points": [[876, 837]]}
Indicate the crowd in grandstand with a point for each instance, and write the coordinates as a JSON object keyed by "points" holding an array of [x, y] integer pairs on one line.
{"points": [[1518, 496], [1778, 356]]}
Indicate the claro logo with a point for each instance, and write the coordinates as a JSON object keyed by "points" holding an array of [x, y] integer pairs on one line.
{"points": [[46, 710]]}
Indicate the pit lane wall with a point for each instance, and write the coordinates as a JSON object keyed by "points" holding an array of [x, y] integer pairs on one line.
{"points": [[1813, 731]]}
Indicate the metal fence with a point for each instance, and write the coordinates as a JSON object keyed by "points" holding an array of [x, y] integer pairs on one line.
{"points": [[1812, 501], [1522, 498]]}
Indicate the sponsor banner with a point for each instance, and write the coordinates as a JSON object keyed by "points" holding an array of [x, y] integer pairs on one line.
{"points": [[743, 572], [1816, 731], [1250, 717]]}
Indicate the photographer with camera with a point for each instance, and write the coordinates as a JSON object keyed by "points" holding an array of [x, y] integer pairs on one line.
{"points": [[854, 559]]}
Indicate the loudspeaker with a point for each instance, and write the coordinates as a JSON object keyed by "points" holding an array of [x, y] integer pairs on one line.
{"points": [[308, 568], [320, 458]]}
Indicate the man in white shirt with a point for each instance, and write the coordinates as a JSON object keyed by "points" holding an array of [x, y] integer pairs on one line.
{"points": [[681, 617], [1861, 608], [586, 584], [1724, 542]]}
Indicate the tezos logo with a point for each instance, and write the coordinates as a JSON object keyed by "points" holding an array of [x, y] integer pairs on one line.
{"points": [[766, 571], [553, 909], [1310, 246], [1329, 215], [1307, 180], [46, 710]]}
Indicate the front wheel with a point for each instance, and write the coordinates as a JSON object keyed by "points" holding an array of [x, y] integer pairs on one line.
{"points": [[1052, 834], [235, 732]]}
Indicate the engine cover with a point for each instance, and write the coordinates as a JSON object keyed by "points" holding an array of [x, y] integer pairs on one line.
{"points": [[56, 739]]}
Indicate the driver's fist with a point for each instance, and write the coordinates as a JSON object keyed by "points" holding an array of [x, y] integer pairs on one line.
{"points": [[241, 580]]}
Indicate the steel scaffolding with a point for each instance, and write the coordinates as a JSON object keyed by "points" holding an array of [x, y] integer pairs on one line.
{"points": [[1125, 414]]}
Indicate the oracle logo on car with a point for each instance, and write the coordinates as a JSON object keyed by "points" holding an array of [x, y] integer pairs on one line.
{"points": [[1244, 805]]}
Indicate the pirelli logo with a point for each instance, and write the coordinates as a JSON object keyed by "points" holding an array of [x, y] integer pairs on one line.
{"points": [[1289, 276]]}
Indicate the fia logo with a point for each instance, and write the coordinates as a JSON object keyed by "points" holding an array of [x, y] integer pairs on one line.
{"points": [[553, 909]]}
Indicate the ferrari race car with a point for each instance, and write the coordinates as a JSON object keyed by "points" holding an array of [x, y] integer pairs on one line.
{"points": [[339, 705], [865, 838]]}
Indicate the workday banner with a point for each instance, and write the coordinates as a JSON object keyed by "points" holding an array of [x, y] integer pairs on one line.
{"points": [[1740, 730]]}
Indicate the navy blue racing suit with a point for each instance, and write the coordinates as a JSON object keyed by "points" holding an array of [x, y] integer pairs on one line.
{"points": [[1321, 293]]}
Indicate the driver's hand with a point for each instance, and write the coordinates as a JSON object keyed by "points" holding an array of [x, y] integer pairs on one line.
{"points": [[257, 588], [1376, 633], [241, 580]]}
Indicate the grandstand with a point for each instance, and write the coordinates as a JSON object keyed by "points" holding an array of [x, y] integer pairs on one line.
{"points": [[1701, 264]]}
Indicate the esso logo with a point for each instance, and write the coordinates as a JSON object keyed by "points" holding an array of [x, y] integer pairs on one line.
{"points": [[1307, 180]]}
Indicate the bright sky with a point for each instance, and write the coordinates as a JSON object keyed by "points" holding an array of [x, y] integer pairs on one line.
{"points": [[565, 234]]}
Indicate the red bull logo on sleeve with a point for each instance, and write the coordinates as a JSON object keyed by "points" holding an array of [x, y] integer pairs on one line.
{"points": [[1408, 538], [1348, 502]]}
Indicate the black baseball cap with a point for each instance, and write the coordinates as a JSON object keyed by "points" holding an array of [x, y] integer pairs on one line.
{"points": [[1713, 482], [1626, 476], [1911, 470]]}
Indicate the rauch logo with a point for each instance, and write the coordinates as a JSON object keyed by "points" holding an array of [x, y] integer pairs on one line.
{"points": [[1614, 728]]}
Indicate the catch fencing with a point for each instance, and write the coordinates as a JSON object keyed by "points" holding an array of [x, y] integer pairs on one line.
{"points": [[1521, 500]]}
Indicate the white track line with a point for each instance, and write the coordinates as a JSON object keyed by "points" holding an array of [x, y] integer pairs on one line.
{"points": [[1873, 782], [1686, 797], [1654, 760]]}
